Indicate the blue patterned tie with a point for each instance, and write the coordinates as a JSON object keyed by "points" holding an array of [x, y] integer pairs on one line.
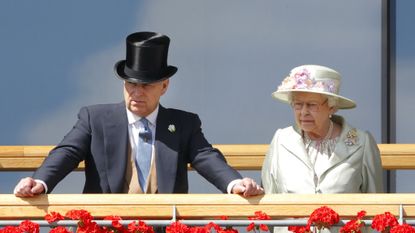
{"points": [[143, 156]]}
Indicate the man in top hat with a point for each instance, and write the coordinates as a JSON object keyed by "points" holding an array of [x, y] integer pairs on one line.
{"points": [[137, 146]]}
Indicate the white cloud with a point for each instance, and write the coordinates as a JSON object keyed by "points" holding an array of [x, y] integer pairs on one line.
{"points": [[96, 83]]}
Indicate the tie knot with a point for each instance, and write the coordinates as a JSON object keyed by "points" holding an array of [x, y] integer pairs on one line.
{"points": [[146, 133], [144, 121]]}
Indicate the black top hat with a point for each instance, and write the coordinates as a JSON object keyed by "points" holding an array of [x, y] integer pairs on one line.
{"points": [[146, 59]]}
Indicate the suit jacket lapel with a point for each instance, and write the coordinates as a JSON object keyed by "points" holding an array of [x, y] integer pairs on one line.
{"points": [[166, 150], [293, 142], [345, 147], [115, 134]]}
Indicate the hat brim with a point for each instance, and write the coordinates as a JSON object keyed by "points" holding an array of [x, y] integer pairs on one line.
{"points": [[342, 103], [165, 74]]}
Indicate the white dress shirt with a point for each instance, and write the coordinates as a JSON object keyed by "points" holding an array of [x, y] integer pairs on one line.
{"points": [[135, 126]]}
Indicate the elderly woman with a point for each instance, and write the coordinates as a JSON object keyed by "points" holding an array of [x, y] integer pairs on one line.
{"points": [[321, 153]]}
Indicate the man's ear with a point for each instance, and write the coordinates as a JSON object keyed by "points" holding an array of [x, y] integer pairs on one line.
{"points": [[165, 85]]}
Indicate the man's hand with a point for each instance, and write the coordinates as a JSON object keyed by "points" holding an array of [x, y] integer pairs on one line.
{"points": [[28, 187], [247, 187]]}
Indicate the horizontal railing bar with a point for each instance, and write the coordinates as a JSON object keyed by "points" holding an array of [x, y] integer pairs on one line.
{"points": [[204, 206], [148, 200], [239, 156]]}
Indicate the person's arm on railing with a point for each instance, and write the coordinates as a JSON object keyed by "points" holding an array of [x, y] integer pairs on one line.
{"points": [[29, 187]]}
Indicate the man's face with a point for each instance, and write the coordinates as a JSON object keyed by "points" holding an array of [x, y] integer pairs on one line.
{"points": [[142, 99]]}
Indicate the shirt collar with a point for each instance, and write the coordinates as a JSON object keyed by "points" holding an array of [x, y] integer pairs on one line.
{"points": [[133, 118]]}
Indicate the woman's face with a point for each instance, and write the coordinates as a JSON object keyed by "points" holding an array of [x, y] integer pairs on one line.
{"points": [[312, 112]]}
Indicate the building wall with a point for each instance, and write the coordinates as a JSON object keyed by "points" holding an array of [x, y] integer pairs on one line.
{"points": [[405, 80]]}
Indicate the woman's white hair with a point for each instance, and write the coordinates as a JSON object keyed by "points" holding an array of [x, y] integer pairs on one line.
{"points": [[331, 100]]}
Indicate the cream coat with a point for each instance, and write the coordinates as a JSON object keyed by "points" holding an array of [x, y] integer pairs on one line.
{"points": [[354, 167]]}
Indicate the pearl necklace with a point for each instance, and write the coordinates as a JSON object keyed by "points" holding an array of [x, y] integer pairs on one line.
{"points": [[317, 148]]}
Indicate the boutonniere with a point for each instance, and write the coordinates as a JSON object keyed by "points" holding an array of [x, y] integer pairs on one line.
{"points": [[172, 128], [351, 137]]}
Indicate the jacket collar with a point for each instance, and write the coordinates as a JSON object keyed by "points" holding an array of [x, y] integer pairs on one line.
{"points": [[167, 148], [115, 130], [348, 143], [293, 143]]}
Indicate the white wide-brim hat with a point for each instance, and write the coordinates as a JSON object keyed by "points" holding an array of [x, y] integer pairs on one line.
{"points": [[314, 79]]}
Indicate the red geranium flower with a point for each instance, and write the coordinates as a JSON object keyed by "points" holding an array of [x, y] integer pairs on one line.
{"points": [[355, 224], [198, 230], [59, 229], [323, 217], [250, 227], [115, 221], [299, 229], [384, 222], [82, 215], [139, 227], [214, 226], [404, 228], [177, 227], [259, 215], [90, 227], [29, 227], [53, 217], [10, 229], [218, 229]]}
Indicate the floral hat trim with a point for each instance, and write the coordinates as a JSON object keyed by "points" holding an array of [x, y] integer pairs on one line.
{"points": [[303, 80], [315, 79]]}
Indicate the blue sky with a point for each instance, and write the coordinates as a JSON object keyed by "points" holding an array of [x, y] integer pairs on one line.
{"points": [[46, 49]]}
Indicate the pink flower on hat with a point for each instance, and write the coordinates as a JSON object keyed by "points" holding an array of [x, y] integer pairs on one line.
{"points": [[303, 80]]}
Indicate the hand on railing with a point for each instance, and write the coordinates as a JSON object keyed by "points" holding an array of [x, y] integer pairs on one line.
{"points": [[247, 187], [28, 187]]}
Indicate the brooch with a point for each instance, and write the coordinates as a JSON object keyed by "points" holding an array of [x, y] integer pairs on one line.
{"points": [[351, 137], [172, 128]]}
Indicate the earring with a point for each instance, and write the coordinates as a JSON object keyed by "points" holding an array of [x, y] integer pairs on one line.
{"points": [[330, 116]]}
